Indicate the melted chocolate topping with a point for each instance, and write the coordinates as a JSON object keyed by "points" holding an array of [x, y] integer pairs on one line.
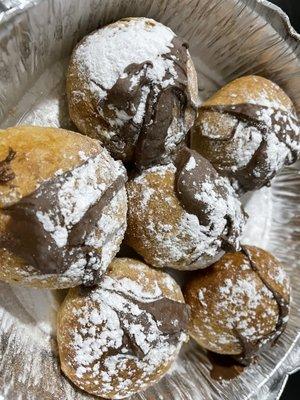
{"points": [[6, 173], [148, 137], [224, 367], [26, 236], [171, 316], [253, 115], [189, 182], [252, 348]]}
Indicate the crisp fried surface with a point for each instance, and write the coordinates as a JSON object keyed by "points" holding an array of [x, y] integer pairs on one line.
{"points": [[40, 154], [230, 293], [79, 305]]}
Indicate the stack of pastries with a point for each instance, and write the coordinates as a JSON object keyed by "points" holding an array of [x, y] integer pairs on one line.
{"points": [[156, 171]]}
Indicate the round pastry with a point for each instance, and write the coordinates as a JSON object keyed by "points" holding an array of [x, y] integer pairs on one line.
{"points": [[240, 304], [122, 336], [248, 130], [133, 85], [63, 207], [182, 215]]}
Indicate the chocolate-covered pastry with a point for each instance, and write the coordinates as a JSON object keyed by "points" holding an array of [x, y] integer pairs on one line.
{"points": [[183, 215], [122, 336], [240, 305], [133, 85], [62, 207], [248, 130]]}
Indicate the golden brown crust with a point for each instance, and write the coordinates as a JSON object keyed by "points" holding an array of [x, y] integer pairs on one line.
{"points": [[248, 130], [104, 120], [165, 232], [161, 209], [82, 107], [40, 154], [158, 227], [230, 297], [247, 88], [79, 305], [147, 277]]}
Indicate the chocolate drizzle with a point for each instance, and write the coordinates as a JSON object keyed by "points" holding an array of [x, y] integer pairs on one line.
{"points": [[279, 121], [6, 173], [171, 316], [190, 181], [252, 348], [224, 367], [26, 236], [79, 230], [145, 139]]}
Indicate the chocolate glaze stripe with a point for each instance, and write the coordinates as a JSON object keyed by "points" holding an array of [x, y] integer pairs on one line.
{"points": [[159, 309], [247, 174], [26, 236], [89, 220], [28, 239], [93, 273], [184, 188], [6, 173], [126, 98], [250, 348], [251, 113], [161, 306], [189, 182], [149, 135], [159, 108]]}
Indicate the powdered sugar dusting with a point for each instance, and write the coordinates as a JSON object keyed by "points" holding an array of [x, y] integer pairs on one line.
{"points": [[264, 98], [138, 53], [140, 112], [77, 192], [191, 164], [220, 206], [247, 141], [262, 134], [112, 311], [186, 242], [242, 303], [282, 139], [123, 44]]}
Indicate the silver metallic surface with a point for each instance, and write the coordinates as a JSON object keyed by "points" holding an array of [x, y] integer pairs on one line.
{"points": [[228, 38]]}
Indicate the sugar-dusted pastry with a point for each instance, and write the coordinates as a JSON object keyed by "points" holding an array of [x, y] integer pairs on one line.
{"points": [[240, 304], [62, 207], [248, 130], [132, 84], [183, 215], [120, 337]]}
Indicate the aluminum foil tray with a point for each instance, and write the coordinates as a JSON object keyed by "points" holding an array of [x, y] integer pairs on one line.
{"points": [[228, 38]]}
